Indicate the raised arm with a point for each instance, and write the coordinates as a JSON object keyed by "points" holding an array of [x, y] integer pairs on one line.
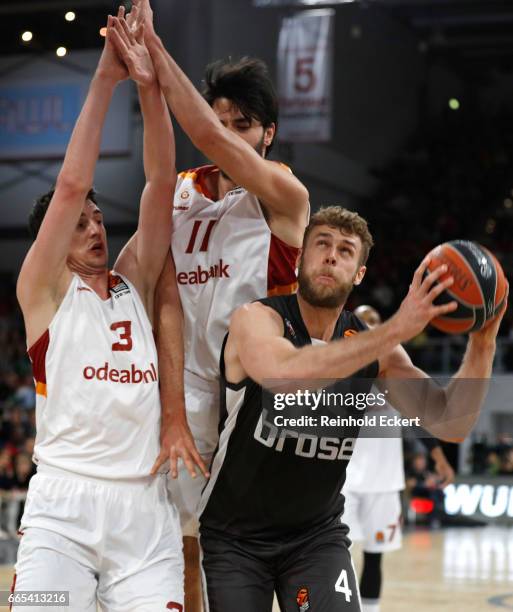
{"points": [[266, 355], [281, 192], [450, 412], [44, 277], [143, 257]]}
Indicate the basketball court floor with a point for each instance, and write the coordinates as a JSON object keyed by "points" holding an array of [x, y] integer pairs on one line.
{"points": [[449, 570]]}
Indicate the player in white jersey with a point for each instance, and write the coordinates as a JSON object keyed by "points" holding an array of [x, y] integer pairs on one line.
{"points": [[96, 523], [372, 491], [238, 226]]}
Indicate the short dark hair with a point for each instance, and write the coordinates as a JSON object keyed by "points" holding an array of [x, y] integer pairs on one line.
{"points": [[38, 212], [246, 82], [344, 220]]}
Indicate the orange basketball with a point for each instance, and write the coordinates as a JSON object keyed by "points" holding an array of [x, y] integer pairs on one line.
{"points": [[479, 285]]}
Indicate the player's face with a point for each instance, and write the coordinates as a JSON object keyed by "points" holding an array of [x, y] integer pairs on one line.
{"points": [[250, 130], [88, 252], [330, 266]]}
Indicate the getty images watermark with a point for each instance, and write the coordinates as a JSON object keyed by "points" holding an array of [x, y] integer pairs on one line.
{"points": [[319, 400], [373, 409]]}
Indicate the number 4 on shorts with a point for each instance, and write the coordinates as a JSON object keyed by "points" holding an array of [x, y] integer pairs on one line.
{"points": [[342, 585]]}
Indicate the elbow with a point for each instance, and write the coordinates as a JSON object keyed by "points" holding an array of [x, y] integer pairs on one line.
{"points": [[163, 182], [71, 185]]}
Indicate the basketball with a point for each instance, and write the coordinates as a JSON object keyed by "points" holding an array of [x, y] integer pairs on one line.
{"points": [[479, 285]]}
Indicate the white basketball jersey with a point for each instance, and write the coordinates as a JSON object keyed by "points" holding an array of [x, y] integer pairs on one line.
{"points": [[97, 406], [377, 464], [225, 256]]}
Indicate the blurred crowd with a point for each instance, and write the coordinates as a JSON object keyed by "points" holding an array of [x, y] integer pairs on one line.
{"points": [[453, 181], [493, 458], [17, 412]]}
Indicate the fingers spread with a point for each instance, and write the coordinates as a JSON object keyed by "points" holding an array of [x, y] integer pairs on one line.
{"points": [[444, 309], [440, 288], [419, 272], [159, 462], [432, 277]]}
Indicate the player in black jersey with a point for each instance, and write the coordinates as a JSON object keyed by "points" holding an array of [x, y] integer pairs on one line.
{"points": [[270, 515]]}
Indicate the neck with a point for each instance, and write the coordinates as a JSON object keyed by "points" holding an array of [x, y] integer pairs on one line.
{"points": [[98, 280], [224, 185], [319, 322]]}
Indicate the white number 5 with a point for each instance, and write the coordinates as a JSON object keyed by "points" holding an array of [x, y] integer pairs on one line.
{"points": [[342, 585]]}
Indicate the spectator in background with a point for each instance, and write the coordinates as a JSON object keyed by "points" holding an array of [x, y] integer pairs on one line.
{"points": [[506, 464], [6, 485], [424, 484], [493, 464], [6, 470]]}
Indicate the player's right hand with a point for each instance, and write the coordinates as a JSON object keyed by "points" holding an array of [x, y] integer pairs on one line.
{"points": [[145, 16], [417, 308], [177, 442], [110, 65], [130, 46]]}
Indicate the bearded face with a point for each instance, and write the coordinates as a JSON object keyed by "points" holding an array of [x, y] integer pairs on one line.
{"points": [[329, 267], [322, 289]]}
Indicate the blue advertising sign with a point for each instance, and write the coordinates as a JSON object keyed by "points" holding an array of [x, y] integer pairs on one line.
{"points": [[36, 120]]}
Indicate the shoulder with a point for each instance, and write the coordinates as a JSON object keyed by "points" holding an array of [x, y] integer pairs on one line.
{"points": [[283, 166], [355, 322], [198, 179], [255, 317]]}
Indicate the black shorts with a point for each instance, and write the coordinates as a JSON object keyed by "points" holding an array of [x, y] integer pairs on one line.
{"points": [[312, 572]]}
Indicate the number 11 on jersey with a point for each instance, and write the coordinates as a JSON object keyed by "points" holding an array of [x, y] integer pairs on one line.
{"points": [[206, 236]]}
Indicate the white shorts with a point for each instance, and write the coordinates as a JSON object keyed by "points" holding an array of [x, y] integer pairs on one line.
{"points": [[113, 542], [374, 519], [202, 404]]}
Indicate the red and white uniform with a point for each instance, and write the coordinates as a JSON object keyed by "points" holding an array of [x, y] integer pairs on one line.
{"points": [[374, 478], [95, 522], [97, 406], [225, 255]]}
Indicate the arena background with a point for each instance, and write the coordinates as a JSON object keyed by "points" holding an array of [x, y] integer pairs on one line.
{"points": [[422, 146]]}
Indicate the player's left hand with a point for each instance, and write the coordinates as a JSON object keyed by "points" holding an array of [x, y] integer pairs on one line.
{"points": [[176, 442], [444, 472], [489, 331], [132, 49]]}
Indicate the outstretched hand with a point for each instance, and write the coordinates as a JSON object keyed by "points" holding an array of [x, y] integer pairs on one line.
{"points": [[145, 16], [489, 331], [110, 64], [129, 44]]}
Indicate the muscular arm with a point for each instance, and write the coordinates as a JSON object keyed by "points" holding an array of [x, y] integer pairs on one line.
{"points": [[281, 192], [256, 348], [43, 277], [176, 440], [450, 412], [256, 334], [264, 354], [169, 328], [143, 257]]}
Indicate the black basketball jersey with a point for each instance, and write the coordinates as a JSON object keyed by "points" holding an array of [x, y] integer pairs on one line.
{"points": [[263, 489]]}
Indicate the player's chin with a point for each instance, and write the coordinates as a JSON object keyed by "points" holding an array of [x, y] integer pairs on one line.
{"points": [[98, 259]]}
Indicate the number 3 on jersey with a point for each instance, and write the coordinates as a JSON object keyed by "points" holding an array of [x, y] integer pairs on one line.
{"points": [[342, 585], [123, 331]]}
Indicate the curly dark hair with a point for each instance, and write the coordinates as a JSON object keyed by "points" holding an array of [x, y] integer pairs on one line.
{"points": [[38, 212], [246, 82]]}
